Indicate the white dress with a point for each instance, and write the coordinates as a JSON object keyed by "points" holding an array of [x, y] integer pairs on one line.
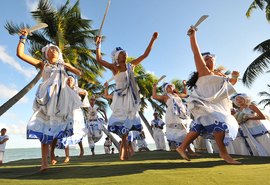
{"points": [[125, 105], [176, 128], [253, 137], [94, 126], [53, 106], [79, 124], [210, 105]]}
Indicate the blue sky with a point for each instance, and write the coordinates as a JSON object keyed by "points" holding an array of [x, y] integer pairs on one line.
{"points": [[130, 24]]}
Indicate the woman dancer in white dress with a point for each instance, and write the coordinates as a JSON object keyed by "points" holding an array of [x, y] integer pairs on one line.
{"points": [[79, 125], [254, 136], [94, 125], [176, 113], [126, 99], [54, 102], [209, 103]]}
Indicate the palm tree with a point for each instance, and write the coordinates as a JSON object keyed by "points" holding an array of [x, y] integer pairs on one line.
{"points": [[265, 102], [70, 32], [260, 63], [262, 4]]}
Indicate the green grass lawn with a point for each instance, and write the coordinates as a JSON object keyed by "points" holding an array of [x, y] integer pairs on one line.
{"points": [[155, 167]]}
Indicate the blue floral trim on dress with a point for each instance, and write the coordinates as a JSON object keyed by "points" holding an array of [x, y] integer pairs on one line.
{"points": [[218, 126], [122, 130], [47, 139], [173, 143]]}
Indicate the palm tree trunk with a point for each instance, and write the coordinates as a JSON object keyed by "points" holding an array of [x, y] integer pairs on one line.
{"points": [[20, 94], [146, 123], [115, 142]]}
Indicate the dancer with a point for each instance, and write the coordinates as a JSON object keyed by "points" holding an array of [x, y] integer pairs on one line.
{"points": [[132, 135], [54, 102], [79, 125], [176, 113], [253, 138], [94, 125], [158, 135], [209, 103], [126, 99]]}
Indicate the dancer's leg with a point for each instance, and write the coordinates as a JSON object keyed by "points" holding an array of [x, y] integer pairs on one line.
{"points": [[67, 154], [81, 148], [52, 155], [188, 139], [44, 157], [219, 137], [124, 149]]}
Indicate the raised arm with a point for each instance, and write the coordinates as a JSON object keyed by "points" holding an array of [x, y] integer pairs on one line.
{"points": [[259, 116], [99, 58], [20, 51], [72, 69], [184, 94], [158, 97], [106, 94], [201, 67], [146, 52]]}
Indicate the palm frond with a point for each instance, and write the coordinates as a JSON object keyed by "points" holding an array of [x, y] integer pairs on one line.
{"points": [[266, 102], [263, 47], [264, 93], [15, 28], [251, 8], [257, 67]]}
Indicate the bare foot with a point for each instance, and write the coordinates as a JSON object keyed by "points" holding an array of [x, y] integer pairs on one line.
{"points": [[66, 160], [53, 162], [194, 154], [182, 153], [43, 168], [228, 159]]}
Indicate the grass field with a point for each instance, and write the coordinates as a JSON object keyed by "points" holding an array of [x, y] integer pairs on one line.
{"points": [[144, 168]]}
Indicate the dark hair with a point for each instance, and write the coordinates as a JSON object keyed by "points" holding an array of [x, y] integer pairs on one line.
{"points": [[192, 80], [4, 129]]}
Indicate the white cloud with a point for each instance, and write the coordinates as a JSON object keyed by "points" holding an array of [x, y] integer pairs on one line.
{"points": [[14, 125], [7, 59], [32, 4], [8, 92]]}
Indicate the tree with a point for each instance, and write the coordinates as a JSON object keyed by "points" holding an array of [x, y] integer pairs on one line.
{"points": [[263, 5], [266, 101], [260, 64], [72, 34], [67, 30]]}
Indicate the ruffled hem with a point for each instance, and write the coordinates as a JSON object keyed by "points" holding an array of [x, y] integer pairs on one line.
{"points": [[122, 127], [66, 141], [176, 135], [218, 126], [48, 139], [46, 129]]}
